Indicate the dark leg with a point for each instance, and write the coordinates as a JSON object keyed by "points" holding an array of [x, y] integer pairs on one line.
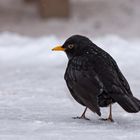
{"points": [[110, 115], [82, 116]]}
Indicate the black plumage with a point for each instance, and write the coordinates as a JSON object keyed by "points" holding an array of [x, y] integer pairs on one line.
{"points": [[93, 77]]}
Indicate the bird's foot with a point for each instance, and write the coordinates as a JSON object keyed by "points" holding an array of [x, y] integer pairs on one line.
{"points": [[107, 119], [82, 117]]}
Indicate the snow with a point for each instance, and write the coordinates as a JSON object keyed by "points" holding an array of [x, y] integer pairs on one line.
{"points": [[35, 103]]}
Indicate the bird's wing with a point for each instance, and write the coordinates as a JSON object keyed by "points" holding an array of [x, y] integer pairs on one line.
{"points": [[110, 66], [113, 80], [84, 82], [73, 93]]}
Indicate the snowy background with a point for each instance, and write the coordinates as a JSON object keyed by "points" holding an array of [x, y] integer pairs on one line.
{"points": [[35, 103], [89, 17]]}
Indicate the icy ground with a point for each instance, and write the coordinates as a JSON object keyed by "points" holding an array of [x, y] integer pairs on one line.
{"points": [[35, 103]]}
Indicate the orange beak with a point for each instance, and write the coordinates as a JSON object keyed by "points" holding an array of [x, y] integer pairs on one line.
{"points": [[58, 48]]}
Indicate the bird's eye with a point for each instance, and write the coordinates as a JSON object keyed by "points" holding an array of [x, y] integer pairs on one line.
{"points": [[70, 46]]}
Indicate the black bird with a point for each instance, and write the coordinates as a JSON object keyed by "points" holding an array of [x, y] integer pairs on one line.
{"points": [[94, 79]]}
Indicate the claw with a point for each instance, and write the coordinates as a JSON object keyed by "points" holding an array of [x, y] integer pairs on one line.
{"points": [[82, 117], [107, 119]]}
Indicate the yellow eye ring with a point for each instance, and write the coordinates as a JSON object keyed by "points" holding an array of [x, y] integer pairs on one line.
{"points": [[70, 46]]}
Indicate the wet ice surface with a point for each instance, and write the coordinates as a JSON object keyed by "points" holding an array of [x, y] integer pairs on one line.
{"points": [[35, 103]]}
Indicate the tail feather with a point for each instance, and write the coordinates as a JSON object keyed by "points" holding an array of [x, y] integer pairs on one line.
{"points": [[128, 103], [137, 101]]}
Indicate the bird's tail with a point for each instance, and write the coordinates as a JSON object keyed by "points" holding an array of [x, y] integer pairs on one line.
{"points": [[137, 101], [129, 103]]}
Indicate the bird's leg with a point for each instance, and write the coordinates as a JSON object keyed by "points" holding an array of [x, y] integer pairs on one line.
{"points": [[110, 118], [82, 116], [110, 115]]}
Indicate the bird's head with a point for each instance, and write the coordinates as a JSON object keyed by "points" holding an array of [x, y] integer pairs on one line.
{"points": [[76, 45]]}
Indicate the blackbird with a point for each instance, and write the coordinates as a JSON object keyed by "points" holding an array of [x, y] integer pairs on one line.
{"points": [[94, 78]]}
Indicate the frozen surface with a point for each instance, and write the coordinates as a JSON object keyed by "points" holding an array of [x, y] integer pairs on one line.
{"points": [[35, 103]]}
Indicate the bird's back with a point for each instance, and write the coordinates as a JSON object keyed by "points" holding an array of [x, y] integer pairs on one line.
{"points": [[115, 84], [106, 65]]}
